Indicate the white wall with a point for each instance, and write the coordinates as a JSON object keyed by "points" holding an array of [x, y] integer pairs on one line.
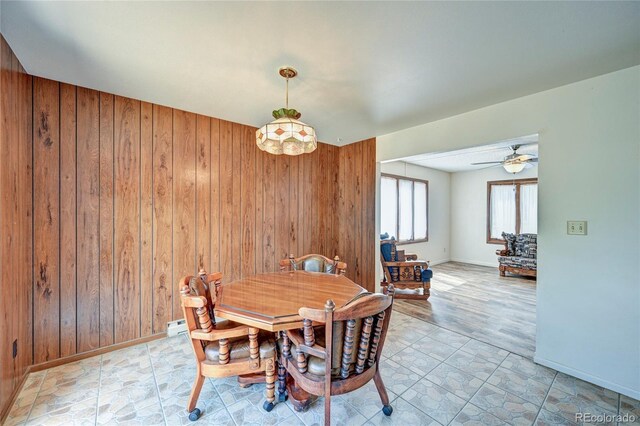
{"points": [[437, 249], [469, 214], [588, 291]]}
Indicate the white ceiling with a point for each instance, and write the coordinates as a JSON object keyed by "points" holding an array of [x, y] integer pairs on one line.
{"points": [[460, 160], [366, 69]]}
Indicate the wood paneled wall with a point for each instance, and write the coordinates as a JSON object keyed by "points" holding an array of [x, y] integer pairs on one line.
{"points": [[15, 222], [356, 211], [107, 201], [131, 196]]}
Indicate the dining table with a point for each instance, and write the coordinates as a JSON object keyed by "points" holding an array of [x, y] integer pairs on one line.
{"points": [[271, 301]]}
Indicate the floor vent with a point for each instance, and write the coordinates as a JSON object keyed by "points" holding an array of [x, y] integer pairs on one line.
{"points": [[176, 327]]}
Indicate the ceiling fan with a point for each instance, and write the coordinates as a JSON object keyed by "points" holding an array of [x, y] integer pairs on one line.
{"points": [[514, 162]]}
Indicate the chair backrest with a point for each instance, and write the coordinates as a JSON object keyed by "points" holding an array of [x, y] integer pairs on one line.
{"points": [[313, 263], [354, 334], [388, 254], [203, 286]]}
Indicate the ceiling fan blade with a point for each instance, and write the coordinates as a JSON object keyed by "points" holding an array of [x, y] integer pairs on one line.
{"points": [[524, 157], [532, 160], [486, 162]]}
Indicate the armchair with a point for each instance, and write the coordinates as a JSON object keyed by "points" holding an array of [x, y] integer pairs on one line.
{"points": [[410, 277], [313, 263], [225, 348], [349, 342]]}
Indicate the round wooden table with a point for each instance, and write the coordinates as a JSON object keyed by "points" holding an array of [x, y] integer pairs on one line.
{"points": [[271, 302]]}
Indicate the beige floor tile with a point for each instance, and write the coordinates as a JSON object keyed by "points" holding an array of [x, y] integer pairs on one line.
{"points": [[170, 354], [119, 404], [567, 405], [128, 358], [415, 360], [435, 401], [114, 379], [249, 413], [342, 413], [472, 364], [79, 373], [449, 337], [546, 418], [457, 381], [231, 392], [434, 348], [485, 351], [82, 413], [529, 368], [603, 398], [505, 406], [209, 403], [367, 399], [394, 344], [519, 385], [23, 403], [397, 378], [404, 414], [474, 416], [64, 395]]}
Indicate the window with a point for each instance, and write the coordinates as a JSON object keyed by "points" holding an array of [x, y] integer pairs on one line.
{"points": [[512, 207], [404, 212]]}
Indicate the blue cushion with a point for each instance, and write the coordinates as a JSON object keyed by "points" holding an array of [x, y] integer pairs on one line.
{"points": [[426, 275], [385, 249]]}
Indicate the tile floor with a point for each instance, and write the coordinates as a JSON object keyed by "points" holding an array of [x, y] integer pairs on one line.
{"points": [[433, 376]]}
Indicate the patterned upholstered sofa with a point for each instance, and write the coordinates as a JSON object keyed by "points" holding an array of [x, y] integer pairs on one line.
{"points": [[519, 255]]}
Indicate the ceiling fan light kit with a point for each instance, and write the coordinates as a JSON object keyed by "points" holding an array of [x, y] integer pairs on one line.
{"points": [[286, 134], [513, 163]]}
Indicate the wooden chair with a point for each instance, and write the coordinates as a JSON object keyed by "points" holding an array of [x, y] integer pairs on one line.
{"points": [[410, 277], [350, 344], [225, 348], [314, 263]]}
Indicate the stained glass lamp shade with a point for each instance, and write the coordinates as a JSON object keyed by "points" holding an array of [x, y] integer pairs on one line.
{"points": [[286, 134]]}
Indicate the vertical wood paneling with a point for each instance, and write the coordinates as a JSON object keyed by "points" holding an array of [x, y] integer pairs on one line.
{"points": [[282, 213], [146, 219], [368, 218], [247, 254], [68, 211], [335, 183], [269, 185], [88, 219], [46, 252], [294, 186], [106, 219], [227, 194], [162, 217], [203, 192], [357, 212], [23, 320], [215, 195], [184, 201], [236, 200], [259, 218], [16, 268], [127, 219]]}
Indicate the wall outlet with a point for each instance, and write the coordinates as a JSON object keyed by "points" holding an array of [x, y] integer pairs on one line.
{"points": [[577, 227], [15, 348]]}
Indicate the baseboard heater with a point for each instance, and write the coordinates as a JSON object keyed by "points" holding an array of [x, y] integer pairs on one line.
{"points": [[176, 327]]}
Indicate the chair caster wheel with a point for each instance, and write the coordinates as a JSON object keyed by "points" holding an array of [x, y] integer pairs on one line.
{"points": [[195, 414], [268, 406], [282, 397], [387, 410]]}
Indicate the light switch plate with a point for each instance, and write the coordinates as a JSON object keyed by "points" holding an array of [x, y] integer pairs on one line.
{"points": [[577, 227]]}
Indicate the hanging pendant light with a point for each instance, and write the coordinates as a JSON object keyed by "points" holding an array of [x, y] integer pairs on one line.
{"points": [[286, 134]]}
